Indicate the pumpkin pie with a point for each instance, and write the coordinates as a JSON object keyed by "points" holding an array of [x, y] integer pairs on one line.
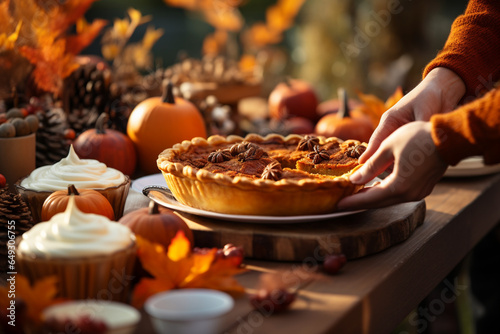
{"points": [[255, 175]]}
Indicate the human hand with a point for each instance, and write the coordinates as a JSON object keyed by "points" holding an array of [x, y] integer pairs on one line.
{"points": [[439, 92], [417, 168]]}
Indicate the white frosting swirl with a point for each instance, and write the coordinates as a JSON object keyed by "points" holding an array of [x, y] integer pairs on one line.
{"points": [[73, 233], [83, 173]]}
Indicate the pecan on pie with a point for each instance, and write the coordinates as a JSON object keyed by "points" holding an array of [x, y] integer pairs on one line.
{"points": [[255, 175]]}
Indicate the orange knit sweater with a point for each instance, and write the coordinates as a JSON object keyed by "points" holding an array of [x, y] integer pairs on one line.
{"points": [[473, 52]]}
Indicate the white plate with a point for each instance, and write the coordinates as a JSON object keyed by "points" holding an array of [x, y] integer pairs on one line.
{"points": [[170, 202], [473, 166], [150, 180]]}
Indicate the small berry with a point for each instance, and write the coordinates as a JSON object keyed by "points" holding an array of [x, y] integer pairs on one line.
{"points": [[333, 263], [69, 134], [234, 253], [3, 181], [274, 301]]}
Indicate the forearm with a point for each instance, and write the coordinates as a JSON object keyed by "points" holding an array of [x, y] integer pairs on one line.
{"points": [[473, 129], [450, 86]]}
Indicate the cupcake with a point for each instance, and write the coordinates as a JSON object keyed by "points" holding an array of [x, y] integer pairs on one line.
{"points": [[83, 173], [91, 256]]}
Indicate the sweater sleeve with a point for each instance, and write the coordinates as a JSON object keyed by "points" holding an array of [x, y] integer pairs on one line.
{"points": [[473, 47], [471, 130]]}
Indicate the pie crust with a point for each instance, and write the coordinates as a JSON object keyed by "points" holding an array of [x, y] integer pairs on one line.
{"points": [[225, 174]]}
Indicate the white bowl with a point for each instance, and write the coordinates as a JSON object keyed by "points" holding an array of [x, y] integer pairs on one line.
{"points": [[188, 311], [119, 318]]}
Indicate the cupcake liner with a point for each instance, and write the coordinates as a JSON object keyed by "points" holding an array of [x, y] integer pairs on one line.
{"points": [[104, 277], [115, 195]]}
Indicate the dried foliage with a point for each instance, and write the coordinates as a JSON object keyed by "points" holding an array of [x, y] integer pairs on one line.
{"points": [[36, 297], [375, 107], [225, 17], [279, 18], [129, 58], [179, 267], [38, 32]]}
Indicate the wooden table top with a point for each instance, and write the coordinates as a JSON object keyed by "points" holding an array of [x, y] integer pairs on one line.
{"points": [[373, 294]]}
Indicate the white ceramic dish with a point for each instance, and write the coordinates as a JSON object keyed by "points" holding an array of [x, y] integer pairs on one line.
{"points": [[188, 311], [164, 197], [119, 318], [473, 166], [149, 180]]}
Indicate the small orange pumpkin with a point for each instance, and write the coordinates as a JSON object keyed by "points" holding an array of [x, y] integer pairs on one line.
{"points": [[109, 146], [158, 123], [155, 225], [87, 200], [345, 124]]}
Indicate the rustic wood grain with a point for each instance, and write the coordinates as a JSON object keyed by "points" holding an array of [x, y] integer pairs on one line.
{"points": [[354, 235]]}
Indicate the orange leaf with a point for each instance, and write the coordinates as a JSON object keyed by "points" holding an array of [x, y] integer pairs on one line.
{"points": [[43, 38], [277, 19], [150, 37], [220, 276], [36, 297], [180, 268], [66, 14], [51, 65], [179, 247], [188, 4], [214, 43], [247, 63], [154, 260], [224, 18], [375, 107], [290, 7], [210, 45], [76, 43], [261, 35], [394, 98], [146, 288]]}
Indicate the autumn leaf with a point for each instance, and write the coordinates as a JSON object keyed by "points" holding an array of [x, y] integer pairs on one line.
{"points": [[279, 17], [86, 34], [260, 35], [65, 15], [114, 42], [247, 63], [394, 98], [52, 64], [179, 267], [225, 18], [5, 18], [42, 36], [214, 43], [187, 4], [36, 297], [7, 41], [124, 28], [150, 37], [375, 107]]}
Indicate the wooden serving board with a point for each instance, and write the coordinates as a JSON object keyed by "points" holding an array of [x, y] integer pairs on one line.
{"points": [[354, 235]]}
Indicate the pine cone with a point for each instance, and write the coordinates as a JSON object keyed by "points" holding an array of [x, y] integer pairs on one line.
{"points": [[16, 218], [51, 146], [88, 86], [82, 119]]}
